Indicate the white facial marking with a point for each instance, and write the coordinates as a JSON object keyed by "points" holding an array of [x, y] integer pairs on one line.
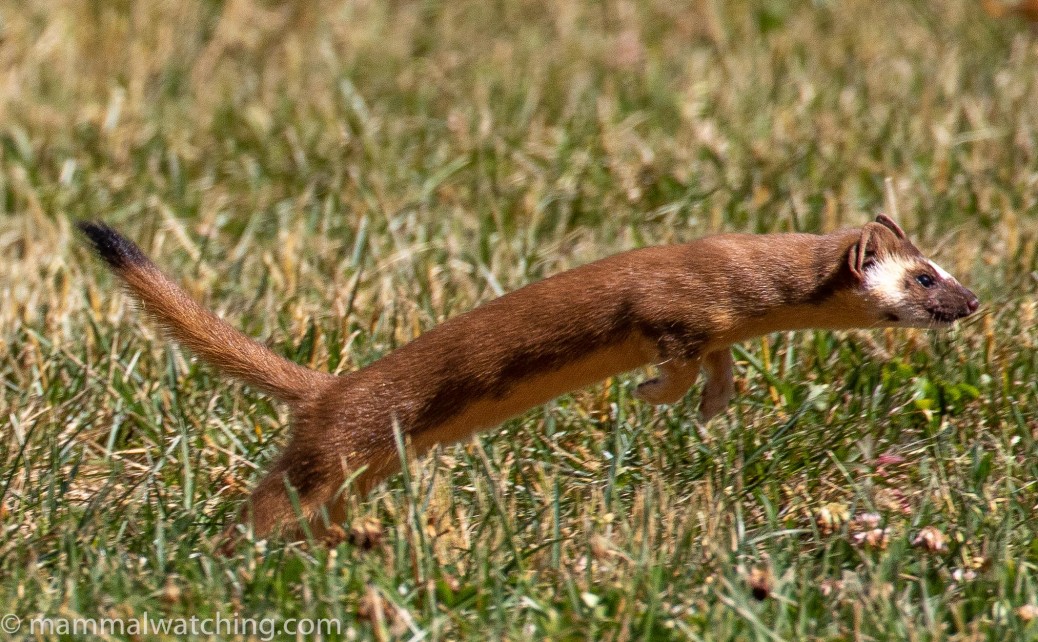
{"points": [[941, 273], [885, 279]]}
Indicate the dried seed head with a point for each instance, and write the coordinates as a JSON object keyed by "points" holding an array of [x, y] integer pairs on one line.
{"points": [[1027, 612], [171, 593], [979, 562], [893, 500], [873, 538], [334, 536], [366, 533], [453, 583], [436, 526], [889, 459], [828, 587], [831, 517], [760, 583], [868, 520], [931, 539], [601, 547], [375, 608]]}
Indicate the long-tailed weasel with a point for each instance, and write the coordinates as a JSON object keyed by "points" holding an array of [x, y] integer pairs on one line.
{"points": [[678, 307]]}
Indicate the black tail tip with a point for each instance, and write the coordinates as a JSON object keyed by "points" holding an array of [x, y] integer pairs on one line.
{"points": [[116, 250]]}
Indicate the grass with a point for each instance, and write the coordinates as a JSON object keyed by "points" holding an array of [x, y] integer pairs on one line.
{"points": [[337, 178]]}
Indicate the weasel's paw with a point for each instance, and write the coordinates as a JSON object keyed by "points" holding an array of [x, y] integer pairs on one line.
{"points": [[717, 392], [227, 542], [654, 391], [712, 405]]}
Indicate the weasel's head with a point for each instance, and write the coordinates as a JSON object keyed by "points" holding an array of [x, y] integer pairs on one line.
{"points": [[906, 288]]}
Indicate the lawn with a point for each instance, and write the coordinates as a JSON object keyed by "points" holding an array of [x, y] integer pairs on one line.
{"points": [[336, 178]]}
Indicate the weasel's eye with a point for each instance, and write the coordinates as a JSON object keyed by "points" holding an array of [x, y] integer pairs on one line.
{"points": [[925, 280]]}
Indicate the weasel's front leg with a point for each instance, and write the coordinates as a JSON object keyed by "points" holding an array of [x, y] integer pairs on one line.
{"points": [[720, 382], [675, 378]]}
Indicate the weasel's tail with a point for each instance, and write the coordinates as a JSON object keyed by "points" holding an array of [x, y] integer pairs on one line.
{"points": [[208, 336]]}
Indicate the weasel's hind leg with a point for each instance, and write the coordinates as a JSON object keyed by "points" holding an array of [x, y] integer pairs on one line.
{"points": [[317, 483], [270, 506], [720, 382], [675, 378]]}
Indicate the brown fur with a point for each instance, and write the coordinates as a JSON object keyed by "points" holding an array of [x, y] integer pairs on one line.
{"points": [[677, 306], [1026, 9], [215, 341]]}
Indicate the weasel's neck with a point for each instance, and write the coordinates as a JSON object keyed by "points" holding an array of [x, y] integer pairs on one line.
{"points": [[810, 289]]}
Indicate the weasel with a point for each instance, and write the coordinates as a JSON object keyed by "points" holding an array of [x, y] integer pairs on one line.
{"points": [[678, 307]]}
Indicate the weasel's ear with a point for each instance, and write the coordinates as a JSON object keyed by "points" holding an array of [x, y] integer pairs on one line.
{"points": [[863, 252], [875, 239], [889, 223]]}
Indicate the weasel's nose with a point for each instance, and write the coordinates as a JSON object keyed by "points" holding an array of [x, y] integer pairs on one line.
{"points": [[972, 304]]}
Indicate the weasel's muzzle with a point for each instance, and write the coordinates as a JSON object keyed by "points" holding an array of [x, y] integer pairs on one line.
{"points": [[950, 304]]}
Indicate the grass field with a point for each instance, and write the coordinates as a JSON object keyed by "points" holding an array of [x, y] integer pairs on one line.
{"points": [[338, 177]]}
